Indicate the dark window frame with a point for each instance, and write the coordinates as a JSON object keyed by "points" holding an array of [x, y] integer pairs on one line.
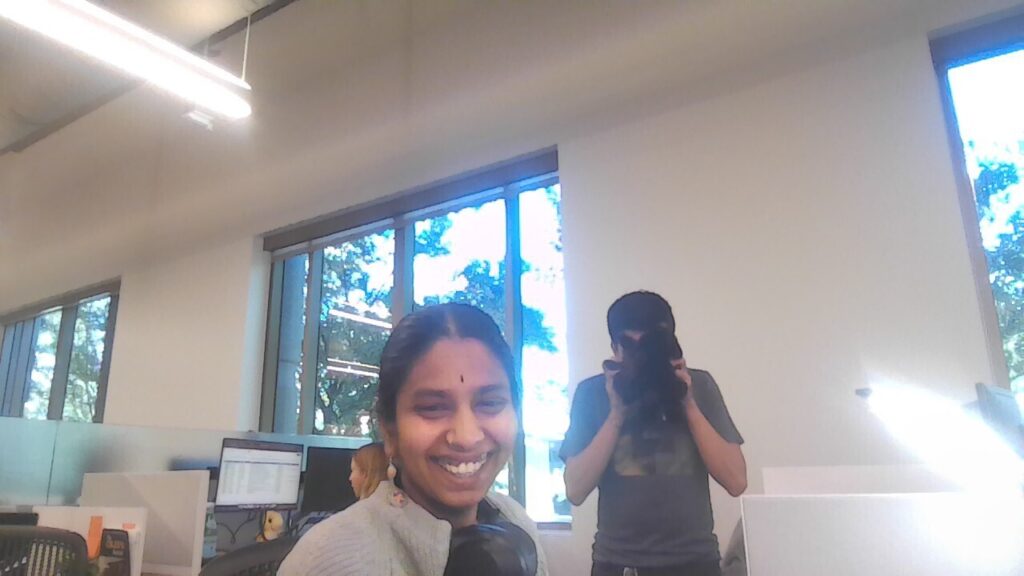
{"points": [[17, 337], [997, 35], [505, 180]]}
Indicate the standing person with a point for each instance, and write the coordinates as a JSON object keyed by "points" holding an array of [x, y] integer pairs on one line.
{"points": [[651, 453], [369, 469], [447, 405]]}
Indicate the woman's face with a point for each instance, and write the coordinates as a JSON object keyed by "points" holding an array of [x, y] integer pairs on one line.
{"points": [[455, 427], [357, 478]]}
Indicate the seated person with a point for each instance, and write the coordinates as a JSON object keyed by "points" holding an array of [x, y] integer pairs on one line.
{"points": [[447, 406], [369, 467]]}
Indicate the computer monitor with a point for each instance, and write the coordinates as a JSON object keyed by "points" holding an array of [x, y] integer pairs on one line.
{"points": [[999, 408], [258, 474], [326, 487]]}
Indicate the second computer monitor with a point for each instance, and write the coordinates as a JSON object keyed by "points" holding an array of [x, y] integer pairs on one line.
{"points": [[326, 487]]}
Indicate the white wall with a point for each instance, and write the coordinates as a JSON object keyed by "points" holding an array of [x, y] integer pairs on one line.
{"points": [[188, 344], [779, 171], [808, 234]]}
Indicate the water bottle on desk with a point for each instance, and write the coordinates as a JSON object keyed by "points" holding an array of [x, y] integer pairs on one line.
{"points": [[210, 534]]}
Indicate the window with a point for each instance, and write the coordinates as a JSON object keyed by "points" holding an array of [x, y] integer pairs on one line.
{"points": [[491, 239], [983, 73], [54, 357]]}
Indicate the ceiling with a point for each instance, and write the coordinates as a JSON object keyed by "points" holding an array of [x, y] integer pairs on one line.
{"points": [[357, 98], [44, 85]]}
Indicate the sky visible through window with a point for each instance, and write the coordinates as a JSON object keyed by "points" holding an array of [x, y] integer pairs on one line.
{"points": [[458, 256], [473, 239], [988, 97], [478, 234]]}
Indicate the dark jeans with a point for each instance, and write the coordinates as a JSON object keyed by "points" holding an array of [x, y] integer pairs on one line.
{"points": [[697, 569]]}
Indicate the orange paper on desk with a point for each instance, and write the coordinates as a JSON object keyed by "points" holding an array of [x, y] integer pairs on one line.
{"points": [[95, 536]]}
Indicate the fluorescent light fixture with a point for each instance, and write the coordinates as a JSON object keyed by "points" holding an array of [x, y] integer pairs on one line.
{"points": [[354, 363], [126, 46], [353, 367], [361, 319], [353, 371]]}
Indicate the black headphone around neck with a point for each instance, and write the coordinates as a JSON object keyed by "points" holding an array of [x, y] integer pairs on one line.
{"points": [[499, 548], [492, 547]]}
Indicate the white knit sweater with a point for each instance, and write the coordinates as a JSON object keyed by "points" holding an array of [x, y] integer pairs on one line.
{"points": [[389, 535]]}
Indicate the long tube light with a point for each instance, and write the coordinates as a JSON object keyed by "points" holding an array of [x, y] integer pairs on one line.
{"points": [[347, 370], [361, 319], [101, 34]]}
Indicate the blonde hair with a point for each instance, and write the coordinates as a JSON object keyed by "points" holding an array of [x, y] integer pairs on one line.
{"points": [[374, 464]]}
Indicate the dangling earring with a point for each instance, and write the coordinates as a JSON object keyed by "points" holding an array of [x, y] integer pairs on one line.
{"points": [[392, 471]]}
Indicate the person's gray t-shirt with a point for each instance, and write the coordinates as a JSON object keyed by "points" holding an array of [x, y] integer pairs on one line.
{"points": [[654, 504]]}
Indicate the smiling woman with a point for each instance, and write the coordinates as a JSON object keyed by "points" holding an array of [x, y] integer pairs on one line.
{"points": [[450, 424], [447, 405]]}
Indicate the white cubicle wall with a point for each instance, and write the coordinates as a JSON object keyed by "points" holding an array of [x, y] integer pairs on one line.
{"points": [[808, 480], [176, 512], [43, 462], [884, 535], [26, 460]]}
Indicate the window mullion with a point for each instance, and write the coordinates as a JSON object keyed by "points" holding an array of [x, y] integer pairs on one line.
{"points": [[272, 348], [514, 332], [23, 371], [62, 366], [18, 372], [311, 343], [405, 251], [7, 348], [108, 349]]}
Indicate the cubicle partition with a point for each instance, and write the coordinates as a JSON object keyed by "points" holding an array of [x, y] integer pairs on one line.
{"points": [[953, 534], [26, 460], [43, 461]]}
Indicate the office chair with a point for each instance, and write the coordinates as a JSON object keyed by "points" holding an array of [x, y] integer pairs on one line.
{"points": [[40, 551], [260, 559]]}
